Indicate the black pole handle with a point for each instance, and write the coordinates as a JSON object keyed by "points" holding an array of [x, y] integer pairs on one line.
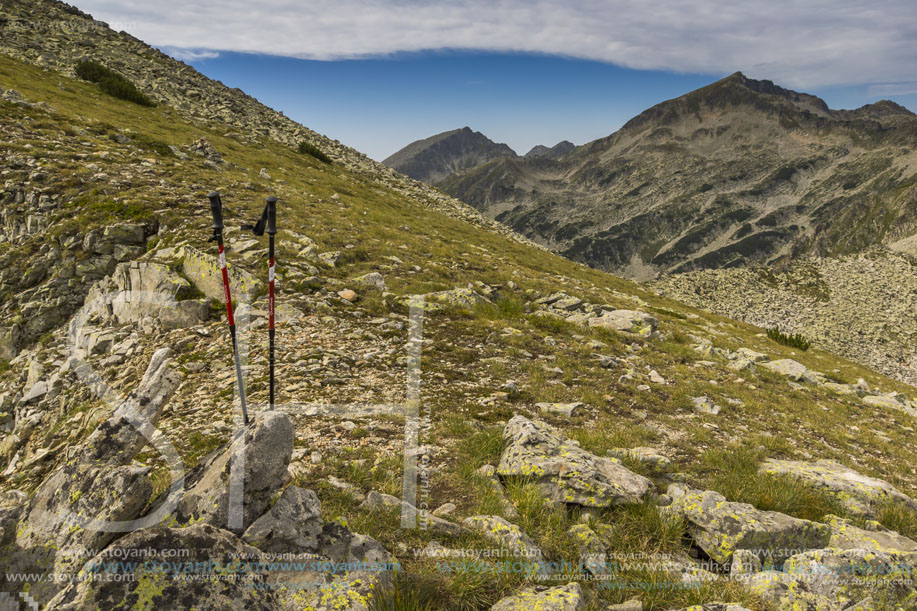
{"points": [[271, 215], [216, 208]]}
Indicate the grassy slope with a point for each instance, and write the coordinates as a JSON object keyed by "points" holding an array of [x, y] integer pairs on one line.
{"points": [[463, 363]]}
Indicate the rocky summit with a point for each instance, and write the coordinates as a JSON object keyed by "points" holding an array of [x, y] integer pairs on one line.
{"points": [[462, 420], [738, 172]]}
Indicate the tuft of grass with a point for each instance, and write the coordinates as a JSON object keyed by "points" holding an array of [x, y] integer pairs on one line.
{"points": [[794, 340], [112, 83], [733, 472], [307, 148]]}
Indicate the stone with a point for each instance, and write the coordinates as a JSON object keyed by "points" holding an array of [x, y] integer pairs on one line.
{"points": [[787, 367], [837, 579], [559, 598], [656, 378], [744, 562], [376, 501], [592, 552], [564, 472], [373, 280], [460, 297], [446, 509], [634, 604], [347, 294], [628, 321], [891, 401], [265, 447], [720, 527], [329, 258], [39, 390], [704, 405], [205, 273], [561, 409], [859, 493], [751, 355], [507, 534], [648, 456], [293, 524], [845, 535]]}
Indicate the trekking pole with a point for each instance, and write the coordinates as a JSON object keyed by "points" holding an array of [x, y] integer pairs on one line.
{"points": [[216, 208], [268, 221], [271, 230]]}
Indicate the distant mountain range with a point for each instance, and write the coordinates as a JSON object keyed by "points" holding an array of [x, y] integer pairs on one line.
{"points": [[740, 171]]}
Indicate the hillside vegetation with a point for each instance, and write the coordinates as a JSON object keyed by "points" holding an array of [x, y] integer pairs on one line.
{"points": [[564, 415]]}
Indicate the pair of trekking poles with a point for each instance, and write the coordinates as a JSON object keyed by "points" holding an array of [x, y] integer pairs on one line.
{"points": [[268, 222]]}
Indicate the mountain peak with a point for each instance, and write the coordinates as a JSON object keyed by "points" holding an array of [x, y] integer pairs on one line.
{"points": [[432, 159]]}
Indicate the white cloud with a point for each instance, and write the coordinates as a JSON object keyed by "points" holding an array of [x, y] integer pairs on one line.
{"points": [[800, 44], [190, 55]]}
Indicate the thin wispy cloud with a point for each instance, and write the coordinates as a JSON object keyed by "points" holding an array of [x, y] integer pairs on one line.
{"points": [[802, 44]]}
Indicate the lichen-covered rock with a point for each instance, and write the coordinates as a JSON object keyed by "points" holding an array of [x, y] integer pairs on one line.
{"points": [[845, 535], [650, 457], [628, 321], [74, 508], [560, 598], [716, 607], [561, 409], [264, 451], [565, 473], [459, 297], [506, 534], [720, 527], [161, 581], [293, 524], [833, 579], [592, 552], [859, 493], [376, 501], [787, 367], [891, 400]]}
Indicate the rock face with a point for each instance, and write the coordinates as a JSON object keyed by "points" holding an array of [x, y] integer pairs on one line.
{"points": [[264, 452], [434, 158], [204, 271], [720, 527], [96, 485], [146, 293], [564, 472], [560, 598], [859, 493]]}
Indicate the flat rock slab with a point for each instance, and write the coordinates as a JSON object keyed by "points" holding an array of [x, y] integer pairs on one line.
{"points": [[845, 535], [565, 473], [561, 409], [628, 321], [859, 493], [720, 527], [787, 367], [560, 598]]}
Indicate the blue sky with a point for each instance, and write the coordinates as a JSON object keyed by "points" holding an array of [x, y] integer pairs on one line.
{"points": [[377, 74], [379, 105]]}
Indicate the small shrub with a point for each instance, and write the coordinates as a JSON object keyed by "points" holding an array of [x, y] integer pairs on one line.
{"points": [[307, 148], [111, 83], [794, 340]]}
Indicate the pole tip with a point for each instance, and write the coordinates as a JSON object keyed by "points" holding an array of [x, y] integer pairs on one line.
{"points": [[272, 199], [213, 194]]}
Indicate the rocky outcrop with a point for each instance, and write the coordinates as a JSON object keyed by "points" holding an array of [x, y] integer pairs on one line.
{"points": [[292, 524], [97, 493], [564, 472], [859, 493], [262, 453]]}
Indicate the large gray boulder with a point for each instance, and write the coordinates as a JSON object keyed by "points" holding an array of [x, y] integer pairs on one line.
{"points": [[213, 555], [565, 473], [506, 534], [787, 367], [875, 537], [720, 527], [263, 451], [293, 524], [859, 493]]}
